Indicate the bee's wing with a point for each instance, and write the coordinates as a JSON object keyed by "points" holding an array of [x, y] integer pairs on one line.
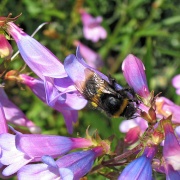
{"points": [[82, 76]]}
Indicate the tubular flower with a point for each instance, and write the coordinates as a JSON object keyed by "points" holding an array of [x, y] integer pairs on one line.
{"points": [[58, 86], [14, 115], [140, 168], [171, 149], [92, 58], [38, 88], [160, 116], [134, 128], [133, 70], [134, 73], [176, 83], [42, 62], [92, 29], [72, 166], [10, 155], [5, 48], [21, 149]]}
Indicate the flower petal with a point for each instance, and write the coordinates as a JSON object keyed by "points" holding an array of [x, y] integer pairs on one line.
{"points": [[36, 172], [38, 57], [138, 169], [14, 115], [66, 174], [38, 145], [3, 123], [171, 174], [176, 81], [13, 168], [70, 117], [134, 73], [5, 48], [92, 29], [92, 58]]}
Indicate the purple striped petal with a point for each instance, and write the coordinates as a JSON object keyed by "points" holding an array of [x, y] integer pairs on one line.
{"points": [[35, 146], [171, 149], [65, 103], [134, 73], [14, 115], [37, 57], [140, 168], [36, 172], [10, 156]]}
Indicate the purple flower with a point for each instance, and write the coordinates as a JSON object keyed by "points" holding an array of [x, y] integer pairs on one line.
{"points": [[140, 168], [176, 83], [71, 166], [171, 174], [70, 106], [3, 123], [92, 58], [134, 128], [14, 115], [171, 149], [5, 48], [40, 171], [125, 126], [58, 86], [166, 107], [37, 57], [21, 149], [92, 29], [10, 156], [134, 73]]}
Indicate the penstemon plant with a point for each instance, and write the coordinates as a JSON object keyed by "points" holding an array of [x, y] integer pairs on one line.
{"points": [[150, 146]]}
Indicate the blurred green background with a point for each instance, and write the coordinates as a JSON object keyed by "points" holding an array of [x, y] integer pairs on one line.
{"points": [[148, 29]]}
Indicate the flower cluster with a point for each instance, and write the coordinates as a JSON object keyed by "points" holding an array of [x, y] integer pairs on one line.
{"points": [[155, 130], [91, 27], [21, 149], [19, 152], [152, 135]]}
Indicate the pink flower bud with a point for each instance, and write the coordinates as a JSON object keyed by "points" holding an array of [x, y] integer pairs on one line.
{"points": [[5, 48]]}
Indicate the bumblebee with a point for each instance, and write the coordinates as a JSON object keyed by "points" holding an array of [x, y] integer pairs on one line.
{"points": [[105, 96]]}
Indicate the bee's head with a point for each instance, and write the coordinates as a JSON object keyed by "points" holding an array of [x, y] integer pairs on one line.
{"points": [[130, 110]]}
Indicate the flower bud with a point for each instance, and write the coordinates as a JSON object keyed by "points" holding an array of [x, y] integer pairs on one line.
{"points": [[5, 48]]}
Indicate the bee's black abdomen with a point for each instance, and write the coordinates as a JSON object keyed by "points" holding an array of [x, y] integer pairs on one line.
{"points": [[111, 103]]}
